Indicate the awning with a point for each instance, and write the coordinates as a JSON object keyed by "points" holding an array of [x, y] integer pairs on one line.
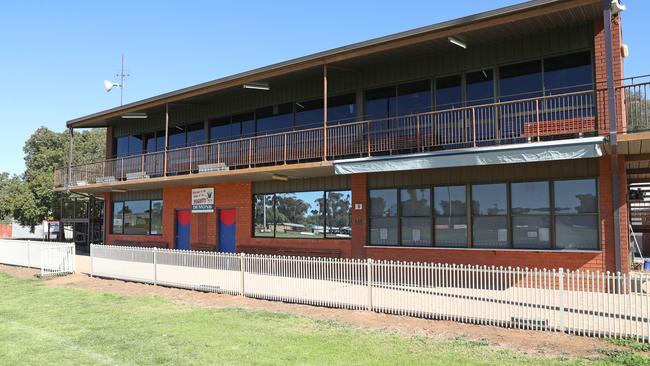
{"points": [[580, 148]]}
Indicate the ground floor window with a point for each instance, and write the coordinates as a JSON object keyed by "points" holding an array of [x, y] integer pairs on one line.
{"points": [[142, 217], [561, 214], [304, 215]]}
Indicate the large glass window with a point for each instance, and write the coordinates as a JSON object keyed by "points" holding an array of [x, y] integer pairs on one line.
{"points": [[479, 87], [450, 209], [414, 97], [449, 92], [155, 141], [568, 73], [383, 217], [196, 134], [341, 109], [576, 214], [275, 119], [223, 129], [142, 217], [531, 215], [309, 114], [303, 215], [381, 103], [520, 81], [416, 225], [128, 145], [246, 122], [338, 217], [490, 215]]}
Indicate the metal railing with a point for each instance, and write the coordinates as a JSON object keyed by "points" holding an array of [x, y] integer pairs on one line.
{"points": [[548, 117], [51, 258], [576, 302]]}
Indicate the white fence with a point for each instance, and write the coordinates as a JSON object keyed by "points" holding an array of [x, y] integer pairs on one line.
{"points": [[584, 303], [50, 258]]}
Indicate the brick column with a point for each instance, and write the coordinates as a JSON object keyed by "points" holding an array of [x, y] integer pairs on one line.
{"points": [[109, 142], [600, 69], [607, 215], [359, 217]]}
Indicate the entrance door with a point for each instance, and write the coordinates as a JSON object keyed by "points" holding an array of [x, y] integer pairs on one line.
{"points": [[183, 229], [227, 229]]}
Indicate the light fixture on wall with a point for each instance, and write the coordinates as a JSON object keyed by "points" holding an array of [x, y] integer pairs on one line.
{"points": [[280, 177], [135, 115], [617, 7], [457, 42], [257, 86]]}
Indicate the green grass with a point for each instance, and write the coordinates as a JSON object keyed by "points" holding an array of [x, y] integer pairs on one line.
{"points": [[61, 326]]}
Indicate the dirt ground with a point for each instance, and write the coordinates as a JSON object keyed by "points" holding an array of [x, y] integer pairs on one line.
{"points": [[531, 342]]}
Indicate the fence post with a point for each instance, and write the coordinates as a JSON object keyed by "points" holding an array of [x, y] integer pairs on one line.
{"points": [[42, 272], [91, 259], [155, 266], [561, 298], [29, 261], [74, 258], [242, 270], [369, 270]]}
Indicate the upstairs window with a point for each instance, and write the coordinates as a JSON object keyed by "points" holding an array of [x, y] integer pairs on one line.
{"points": [[568, 73], [520, 81]]}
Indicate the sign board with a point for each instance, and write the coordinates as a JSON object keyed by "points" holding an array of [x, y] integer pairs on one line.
{"points": [[54, 227], [203, 200]]}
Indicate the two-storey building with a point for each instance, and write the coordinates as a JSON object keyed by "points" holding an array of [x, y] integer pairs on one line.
{"points": [[481, 140]]}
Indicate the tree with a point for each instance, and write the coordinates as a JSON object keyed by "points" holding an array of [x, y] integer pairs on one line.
{"points": [[45, 151], [7, 186]]}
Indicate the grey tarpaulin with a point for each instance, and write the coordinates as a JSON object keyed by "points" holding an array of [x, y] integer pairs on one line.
{"points": [[580, 148]]}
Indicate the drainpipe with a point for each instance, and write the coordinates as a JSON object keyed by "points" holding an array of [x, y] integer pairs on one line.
{"points": [[611, 107], [70, 148]]}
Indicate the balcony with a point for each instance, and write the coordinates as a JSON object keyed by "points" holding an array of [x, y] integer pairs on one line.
{"points": [[561, 116]]}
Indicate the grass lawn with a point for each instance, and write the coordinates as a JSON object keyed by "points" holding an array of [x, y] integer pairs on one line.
{"points": [[59, 326]]}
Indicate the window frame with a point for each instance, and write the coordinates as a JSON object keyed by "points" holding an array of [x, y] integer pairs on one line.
{"points": [[123, 202]]}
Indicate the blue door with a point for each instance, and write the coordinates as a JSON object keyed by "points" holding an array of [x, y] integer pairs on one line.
{"points": [[183, 218], [227, 230]]}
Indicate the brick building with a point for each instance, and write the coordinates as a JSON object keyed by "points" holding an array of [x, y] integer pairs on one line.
{"points": [[481, 140]]}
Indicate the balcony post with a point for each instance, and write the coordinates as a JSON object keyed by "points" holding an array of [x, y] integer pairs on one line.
{"points": [[166, 139], [191, 159], [70, 149], [537, 118], [142, 166], [324, 112], [474, 125], [285, 148]]}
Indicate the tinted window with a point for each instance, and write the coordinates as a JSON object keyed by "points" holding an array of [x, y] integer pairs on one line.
{"points": [[177, 137], [489, 199], [156, 217], [196, 134], [520, 81], [575, 196], [263, 221], [414, 97], [568, 73], [122, 146], [135, 145], [118, 216], [136, 217], [222, 129], [416, 202], [450, 201], [416, 231], [381, 103], [341, 109], [383, 202], [275, 119], [479, 87], [246, 122], [576, 232], [449, 93], [299, 215], [309, 114], [530, 198], [531, 232]]}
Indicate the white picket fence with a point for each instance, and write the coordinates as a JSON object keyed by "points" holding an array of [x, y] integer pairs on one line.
{"points": [[51, 258], [583, 303]]}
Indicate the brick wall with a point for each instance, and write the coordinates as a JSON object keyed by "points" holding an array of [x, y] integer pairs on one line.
{"points": [[5, 231], [600, 69]]}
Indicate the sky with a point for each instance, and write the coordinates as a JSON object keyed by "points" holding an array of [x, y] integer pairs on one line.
{"points": [[55, 55]]}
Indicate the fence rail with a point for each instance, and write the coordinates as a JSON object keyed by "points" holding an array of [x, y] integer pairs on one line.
{"points": [[505, 122], [582, 303], [51, 258]]}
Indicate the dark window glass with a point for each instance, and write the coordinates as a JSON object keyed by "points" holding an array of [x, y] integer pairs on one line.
{"points": [[122, 146], [118, 218], [568, 73], [383, 231], [299, 215], [520, 81], [416, 202], [196, 134], [381, 103], [135, 145], [222, 129], [530, 198], [176, 137], [450, 208], [479, 87], [156, 217], [309, 114], [449, 93], [155, 142], [383, 202], [416, 231], [275, 119], [531, 232], [575, 196], [341, 109], [339, 214], [247, 123], [490, 221], [489, 199], [81, 209], [263, 207], [137, 217], [576, 232], [414, 97]]}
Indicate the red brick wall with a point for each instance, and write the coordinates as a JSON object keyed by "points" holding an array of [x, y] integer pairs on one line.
{"points": [[109, 142], [5, 231], [600, 68]]}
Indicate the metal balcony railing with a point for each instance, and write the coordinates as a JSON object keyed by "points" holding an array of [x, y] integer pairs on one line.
{"points": [[518, 121]]}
